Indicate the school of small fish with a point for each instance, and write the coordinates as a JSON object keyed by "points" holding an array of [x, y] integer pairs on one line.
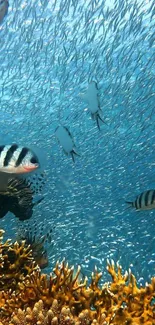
{"points": [[78, 58]]}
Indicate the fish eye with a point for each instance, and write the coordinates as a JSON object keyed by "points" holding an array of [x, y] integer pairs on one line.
{"points": [[34, 160]]}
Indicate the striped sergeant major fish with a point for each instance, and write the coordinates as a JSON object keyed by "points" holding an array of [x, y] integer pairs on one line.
{"points": [[91, 97], [19, 197], [15, 160], [4, 4], [66, 141], [144, 201]]}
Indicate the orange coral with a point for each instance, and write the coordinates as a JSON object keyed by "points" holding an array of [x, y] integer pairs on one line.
{"points": [[61, 299], [15, 262]]}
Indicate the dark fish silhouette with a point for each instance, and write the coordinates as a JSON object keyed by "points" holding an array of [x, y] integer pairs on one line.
{"points": [[18, 197]]}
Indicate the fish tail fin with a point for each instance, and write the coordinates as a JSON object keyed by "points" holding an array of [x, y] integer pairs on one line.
{"points": [[130, 204], [72, 155], [98, 117], [97, 121], [101, 119], [73, 152]]}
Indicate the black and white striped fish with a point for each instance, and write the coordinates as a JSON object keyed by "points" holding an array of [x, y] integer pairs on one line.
{"points": [[15, 160], [144, 201], [4, 4]]}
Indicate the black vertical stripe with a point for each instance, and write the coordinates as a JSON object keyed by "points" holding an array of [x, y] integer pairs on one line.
{"points": [[146, 198], [153, 197], [22, 155], [1, 149], [140, 203], [9, 154], [136, 203]]}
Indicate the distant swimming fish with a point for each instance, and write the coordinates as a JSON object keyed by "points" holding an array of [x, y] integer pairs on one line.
{"points": [[37, 240], [18, 199], [15, 160], [91, 96], [144, 201], [65, 139], [4, 4]]}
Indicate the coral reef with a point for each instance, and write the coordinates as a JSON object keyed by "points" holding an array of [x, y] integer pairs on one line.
{"points": [[63, 299], [16, 262]]}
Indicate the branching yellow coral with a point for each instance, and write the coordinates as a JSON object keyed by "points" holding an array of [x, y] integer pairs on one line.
{"points": [[15, 262], [61, 299]]}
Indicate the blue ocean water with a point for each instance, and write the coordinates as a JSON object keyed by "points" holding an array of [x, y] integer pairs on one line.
{"points": [[49, 52]]}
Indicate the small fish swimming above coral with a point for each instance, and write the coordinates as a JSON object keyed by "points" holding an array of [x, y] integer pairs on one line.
{"points": [[91, 96], [4, 4], [36, 239], [66, 141], [18, 197], [144, 201]]}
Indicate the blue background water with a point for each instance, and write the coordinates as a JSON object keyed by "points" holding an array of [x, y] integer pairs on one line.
{"points": [[49, 51]]}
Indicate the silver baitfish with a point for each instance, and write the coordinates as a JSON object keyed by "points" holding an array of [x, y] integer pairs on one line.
{"points": [[15, 160], [66, 141], [144, 201], [91, 96], [4, 4]]}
